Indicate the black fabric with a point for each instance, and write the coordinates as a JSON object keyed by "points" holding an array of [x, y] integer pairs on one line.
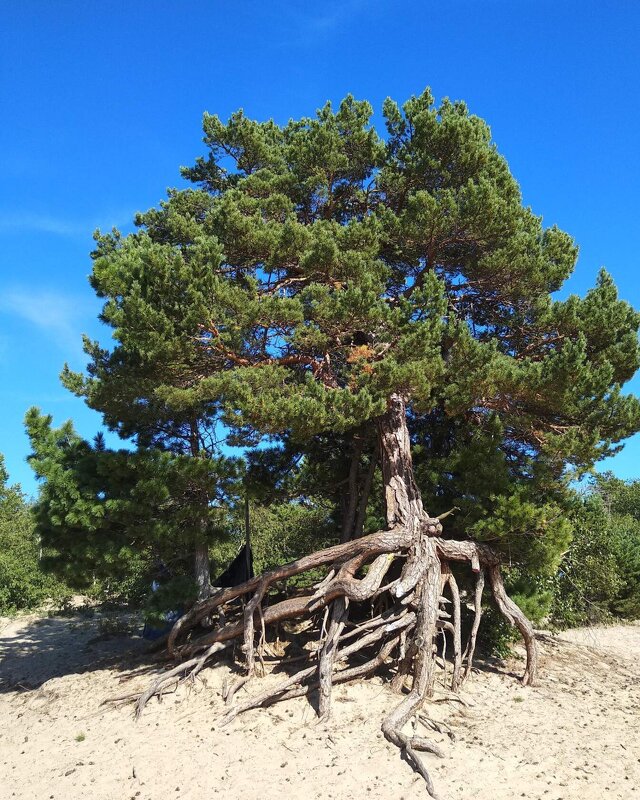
{"points": [[238, 570]]}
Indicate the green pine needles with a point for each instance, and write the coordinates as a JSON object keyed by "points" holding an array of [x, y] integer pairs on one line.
{"points": [[319, 267]]}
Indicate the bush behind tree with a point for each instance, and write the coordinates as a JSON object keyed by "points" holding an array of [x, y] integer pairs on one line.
{"points": [[599, 577], [24, 585]]}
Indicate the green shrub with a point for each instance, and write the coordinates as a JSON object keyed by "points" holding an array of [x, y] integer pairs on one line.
{"points": [[599, 577], [176, 594], [23, 583]]}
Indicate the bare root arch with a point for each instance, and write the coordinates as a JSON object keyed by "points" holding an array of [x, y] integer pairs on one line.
{"points": [[352, 644]]}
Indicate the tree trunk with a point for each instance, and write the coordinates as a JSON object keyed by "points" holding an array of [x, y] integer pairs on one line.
{"points": [[421, 572], [351, 504], [364, 495], [201, 563], [202, 570], [402, 498]]}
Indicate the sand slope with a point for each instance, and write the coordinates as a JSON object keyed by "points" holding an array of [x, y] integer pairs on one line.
{"points": [[575, 735]]}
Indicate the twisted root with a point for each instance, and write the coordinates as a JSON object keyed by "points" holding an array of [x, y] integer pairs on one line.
{"points": [[405, 631]]}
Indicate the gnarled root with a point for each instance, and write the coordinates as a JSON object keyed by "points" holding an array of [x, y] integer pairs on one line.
{"points": [[515, 617], [328, 654], [417, 609], [471, 644], [483, 557], [448, 579], [423, 670], [185, 671], [286, 689]]}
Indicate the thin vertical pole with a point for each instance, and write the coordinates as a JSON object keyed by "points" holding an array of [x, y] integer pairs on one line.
{"points": [[247, 533]]}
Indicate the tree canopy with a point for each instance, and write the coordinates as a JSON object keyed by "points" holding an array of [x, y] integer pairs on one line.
{"points": [[318, 268]]}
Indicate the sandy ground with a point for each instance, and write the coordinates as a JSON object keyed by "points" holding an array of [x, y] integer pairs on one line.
{"points": [[575, 735]]}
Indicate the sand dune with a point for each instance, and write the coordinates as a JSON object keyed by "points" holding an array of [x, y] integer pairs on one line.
{"points": [[575, 735]]}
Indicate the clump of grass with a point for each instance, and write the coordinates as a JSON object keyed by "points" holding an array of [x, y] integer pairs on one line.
{"points": [[518, 699], [80, 737]]}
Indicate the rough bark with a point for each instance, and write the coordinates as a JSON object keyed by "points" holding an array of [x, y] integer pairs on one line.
{"points": [[471, 645], [514, 615], [450, 581], [328, 655], [393, 541], [351, 505], [202, 570], [401, 494], [421, 574], [365, 493]]}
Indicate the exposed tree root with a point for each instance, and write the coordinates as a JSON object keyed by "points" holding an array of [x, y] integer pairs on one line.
{"points": [[405, 632], [328, 654], [471, 644], [448, 578], [439, 727], [282, 689], [423, 670], [230, 688], [422, 602], [186, 670], [515, 617]]}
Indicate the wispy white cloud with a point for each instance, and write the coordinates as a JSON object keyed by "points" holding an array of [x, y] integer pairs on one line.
{"points": [[50, 312], [324, 22], [312, 25], [39, 222], [44, 223]]}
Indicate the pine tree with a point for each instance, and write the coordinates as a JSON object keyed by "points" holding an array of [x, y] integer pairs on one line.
{"points": [[321, 280], [109, 515]]}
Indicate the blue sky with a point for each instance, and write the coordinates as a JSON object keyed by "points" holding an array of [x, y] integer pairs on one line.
{"points": [[102, 102]]}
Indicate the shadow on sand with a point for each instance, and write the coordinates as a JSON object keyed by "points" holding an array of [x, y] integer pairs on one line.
{"points": [[35, 649]]}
